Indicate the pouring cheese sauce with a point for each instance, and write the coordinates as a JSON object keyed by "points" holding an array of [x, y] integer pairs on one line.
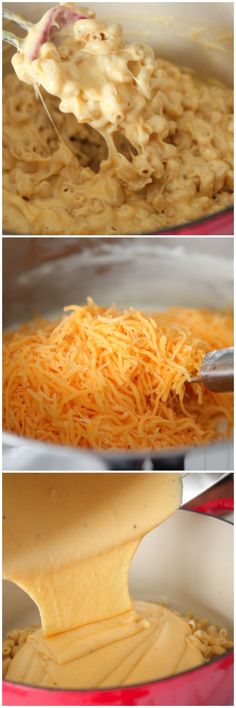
{"points": [[163, 137], [68, 541]]}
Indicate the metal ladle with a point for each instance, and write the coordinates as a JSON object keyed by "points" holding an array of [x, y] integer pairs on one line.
{"points": [[217, 370]]}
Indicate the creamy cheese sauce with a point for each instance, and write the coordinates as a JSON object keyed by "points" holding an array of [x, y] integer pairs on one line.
{"points": [[68, 541], [145, 144]]}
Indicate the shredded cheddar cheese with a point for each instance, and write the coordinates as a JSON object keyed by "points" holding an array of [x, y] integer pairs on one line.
{"points": [[116, 379]]}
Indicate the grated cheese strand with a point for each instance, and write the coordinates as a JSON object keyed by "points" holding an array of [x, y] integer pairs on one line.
{"points": [[104, 378]]}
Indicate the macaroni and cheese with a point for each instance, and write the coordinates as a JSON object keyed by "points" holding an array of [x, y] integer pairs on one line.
{"points": [[142, 145]]}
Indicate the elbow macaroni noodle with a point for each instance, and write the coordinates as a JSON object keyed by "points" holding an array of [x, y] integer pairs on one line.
{"points": [[145, 144]]}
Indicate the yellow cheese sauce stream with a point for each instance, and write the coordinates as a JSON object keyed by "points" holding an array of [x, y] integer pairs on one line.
{"points": [[68, 541]]}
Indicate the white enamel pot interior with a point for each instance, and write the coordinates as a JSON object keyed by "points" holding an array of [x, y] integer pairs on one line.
{"points": [[186, 562], [44, 275], [196, 35]]}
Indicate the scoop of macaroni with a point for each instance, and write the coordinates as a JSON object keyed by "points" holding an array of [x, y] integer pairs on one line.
{"points": [[144, 144]]}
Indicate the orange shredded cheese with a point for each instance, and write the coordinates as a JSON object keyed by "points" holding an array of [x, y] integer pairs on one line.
{"points": [[116, 379]]}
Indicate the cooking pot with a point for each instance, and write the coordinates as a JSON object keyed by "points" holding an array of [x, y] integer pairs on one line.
{"points": [[186, 562], [45, 274], [196, 35]]}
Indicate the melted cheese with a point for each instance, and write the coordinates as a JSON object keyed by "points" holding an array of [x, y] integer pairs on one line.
{"points": [[68, 541]]}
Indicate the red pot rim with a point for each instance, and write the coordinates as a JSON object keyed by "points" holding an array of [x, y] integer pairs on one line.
{"points": [[224, 216]]}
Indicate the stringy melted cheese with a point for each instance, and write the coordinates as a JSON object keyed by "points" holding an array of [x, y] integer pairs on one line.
{"points": [[159, 138]]}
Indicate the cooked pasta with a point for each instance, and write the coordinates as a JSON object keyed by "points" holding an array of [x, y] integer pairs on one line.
{"points": [[104, 378], [14, 640], [146, 144]]}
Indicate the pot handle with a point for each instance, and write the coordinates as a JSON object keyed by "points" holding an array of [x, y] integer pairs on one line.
{"points": [[216, 507]]}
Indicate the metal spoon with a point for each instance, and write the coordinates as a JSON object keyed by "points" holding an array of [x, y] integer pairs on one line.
{"points": [[217, 370]]}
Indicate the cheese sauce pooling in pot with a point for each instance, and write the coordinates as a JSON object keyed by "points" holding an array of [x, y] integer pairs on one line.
{"points": [[146, 144], [68, 541]]}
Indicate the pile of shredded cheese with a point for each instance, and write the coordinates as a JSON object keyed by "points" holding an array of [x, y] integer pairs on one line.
{"points": [[116, 379]]}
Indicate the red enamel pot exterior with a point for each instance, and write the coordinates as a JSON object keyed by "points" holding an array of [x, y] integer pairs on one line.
{"points": [[210, 685], [221, 224]]}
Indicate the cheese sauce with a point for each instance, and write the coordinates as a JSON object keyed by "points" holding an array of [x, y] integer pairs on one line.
{"points": [[68, 541]]}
